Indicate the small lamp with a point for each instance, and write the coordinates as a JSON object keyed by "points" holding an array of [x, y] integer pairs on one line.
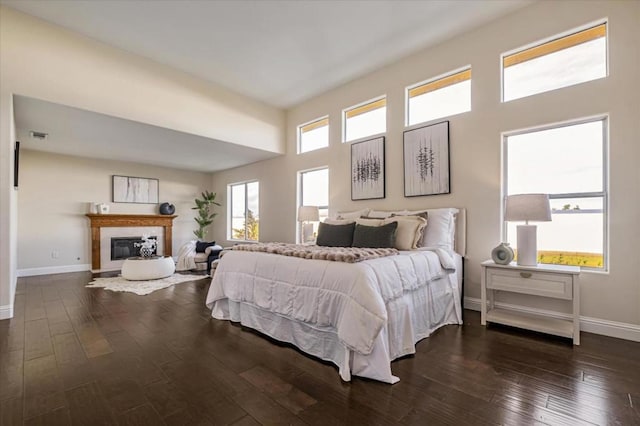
{"points": [[534, 207], [308, 214]]}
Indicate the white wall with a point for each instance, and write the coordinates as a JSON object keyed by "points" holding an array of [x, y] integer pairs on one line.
{"points": [[476, 142], [47, 62], [8, 206], [54, 196]]}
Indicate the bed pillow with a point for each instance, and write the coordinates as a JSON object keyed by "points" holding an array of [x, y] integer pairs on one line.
{"points": [[334, 221], [352, 215], [375, 236], [201, 246], [441, 228], [379, 214], [409, 231], [424, 215], [368, 221], [335, 235]]}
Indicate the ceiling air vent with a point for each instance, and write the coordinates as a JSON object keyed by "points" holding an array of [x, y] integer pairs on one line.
{"points": [[38, 135]]}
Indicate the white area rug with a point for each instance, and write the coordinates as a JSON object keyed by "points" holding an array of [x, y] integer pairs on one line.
{"points": [[141, 287]]}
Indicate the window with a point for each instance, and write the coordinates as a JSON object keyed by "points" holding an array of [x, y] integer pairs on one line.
{"points": [[568, 162], [245, 211], [313, 135], [561, 62], [314, 191], [439, 97], [365, 120]]}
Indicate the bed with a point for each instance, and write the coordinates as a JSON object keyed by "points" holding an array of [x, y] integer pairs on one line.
{"points": [[359, 316]]}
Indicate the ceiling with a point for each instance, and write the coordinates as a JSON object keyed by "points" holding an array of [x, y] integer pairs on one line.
{"points": [[279, 52], [78, 132]]}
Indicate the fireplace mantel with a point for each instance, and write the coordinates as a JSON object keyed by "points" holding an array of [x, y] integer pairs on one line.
{"points": [[127, 220]]}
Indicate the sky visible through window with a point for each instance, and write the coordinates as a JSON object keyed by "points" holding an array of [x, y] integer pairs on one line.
{"points": [[440, 103], [314, 139], [577, 64], [562, 160], [367, 124], [238, 203]]}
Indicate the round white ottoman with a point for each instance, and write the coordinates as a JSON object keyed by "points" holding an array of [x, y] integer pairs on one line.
{"points": [[140, 269]]}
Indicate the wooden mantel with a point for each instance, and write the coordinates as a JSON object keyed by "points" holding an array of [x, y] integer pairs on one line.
{"points": [[127, 220]]}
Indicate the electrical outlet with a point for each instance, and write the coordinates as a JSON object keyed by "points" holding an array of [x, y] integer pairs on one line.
{"points": [[55, 254]]}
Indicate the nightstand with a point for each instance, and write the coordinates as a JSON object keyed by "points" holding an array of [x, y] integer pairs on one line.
{"points": [[552, 281]]}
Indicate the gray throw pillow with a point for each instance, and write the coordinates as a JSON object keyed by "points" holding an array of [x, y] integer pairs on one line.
{"points": [[375, 236], [335, 235]]}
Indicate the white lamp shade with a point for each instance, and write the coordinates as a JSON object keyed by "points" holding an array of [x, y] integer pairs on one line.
{"points": [[308, 214], [525, 207]]}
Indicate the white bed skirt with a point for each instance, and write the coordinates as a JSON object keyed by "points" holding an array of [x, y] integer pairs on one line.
{"points": [[408, 323]]}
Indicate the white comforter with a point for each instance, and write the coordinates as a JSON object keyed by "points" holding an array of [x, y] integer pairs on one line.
{"points": [[348, 298]]}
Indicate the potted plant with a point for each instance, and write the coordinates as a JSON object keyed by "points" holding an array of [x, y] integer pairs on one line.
{"points": [[205, 215]]}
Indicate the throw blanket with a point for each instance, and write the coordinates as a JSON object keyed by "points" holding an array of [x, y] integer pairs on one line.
{"points": [[186, 257], [336, 254]]}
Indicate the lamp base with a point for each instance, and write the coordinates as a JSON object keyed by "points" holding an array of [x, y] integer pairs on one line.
{"points": [[527, 245]]}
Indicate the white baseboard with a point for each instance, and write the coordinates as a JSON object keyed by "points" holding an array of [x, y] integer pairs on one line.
{"points": [[30, 272], [6, 312], [603, 327]]}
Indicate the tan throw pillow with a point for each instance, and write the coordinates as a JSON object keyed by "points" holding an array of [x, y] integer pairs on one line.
{"points": [[422, 214], [330, 221], [409, 231], [367, 221]]}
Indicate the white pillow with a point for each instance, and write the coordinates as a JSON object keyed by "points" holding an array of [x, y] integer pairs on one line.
{"points": [[352, 215], [441, 229], [409, 231]]}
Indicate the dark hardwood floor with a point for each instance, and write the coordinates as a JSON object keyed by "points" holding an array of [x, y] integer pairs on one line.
{"points": [[82, 356]]}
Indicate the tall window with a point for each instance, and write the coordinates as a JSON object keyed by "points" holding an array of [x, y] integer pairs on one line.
{"points": [[439, 97], [568, 162], [313, 135], [561, 62], [314, 191], [245, 211], [365, 120]]}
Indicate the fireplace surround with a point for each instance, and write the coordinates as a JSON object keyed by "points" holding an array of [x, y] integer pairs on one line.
{"points": [[99, 221]]}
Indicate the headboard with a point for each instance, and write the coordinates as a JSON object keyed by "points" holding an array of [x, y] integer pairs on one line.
{"points": [[460, 242]]}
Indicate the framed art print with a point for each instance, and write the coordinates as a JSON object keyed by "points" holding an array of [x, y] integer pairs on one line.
{"points": [[367, 169], [127, 189], [426, 160]]}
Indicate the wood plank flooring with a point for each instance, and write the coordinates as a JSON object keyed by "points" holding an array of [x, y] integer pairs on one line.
{"points": [[82, 356]]}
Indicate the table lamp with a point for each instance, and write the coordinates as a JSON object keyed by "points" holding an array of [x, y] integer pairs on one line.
{"points": [[526, 207], [308, 214]]}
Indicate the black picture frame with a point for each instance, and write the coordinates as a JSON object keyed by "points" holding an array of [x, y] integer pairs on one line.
{"points": [[16, 164], [426, 160], [136, 190], [368, 169]]}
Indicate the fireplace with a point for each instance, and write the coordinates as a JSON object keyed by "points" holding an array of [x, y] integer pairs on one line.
{"points": [[125, 247], [106, 226]]}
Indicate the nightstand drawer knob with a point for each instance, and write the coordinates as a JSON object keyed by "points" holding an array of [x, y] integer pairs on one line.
{"points": [[525, 274]]}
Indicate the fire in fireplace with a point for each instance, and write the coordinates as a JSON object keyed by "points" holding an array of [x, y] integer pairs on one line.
{"points": [[125, 247]]}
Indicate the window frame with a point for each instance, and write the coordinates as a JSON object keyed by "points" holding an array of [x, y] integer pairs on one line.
{"points": [[604, 194], [300, 193], [299, 132], [442, 76], [359, 105], [246, 209], [543, 41]]}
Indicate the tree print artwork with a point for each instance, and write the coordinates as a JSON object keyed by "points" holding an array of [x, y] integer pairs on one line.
{"points": [[367, 169], [426, 160]]}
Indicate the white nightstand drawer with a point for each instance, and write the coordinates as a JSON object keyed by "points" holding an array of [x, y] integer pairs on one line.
{"points": [[558, 286]]}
